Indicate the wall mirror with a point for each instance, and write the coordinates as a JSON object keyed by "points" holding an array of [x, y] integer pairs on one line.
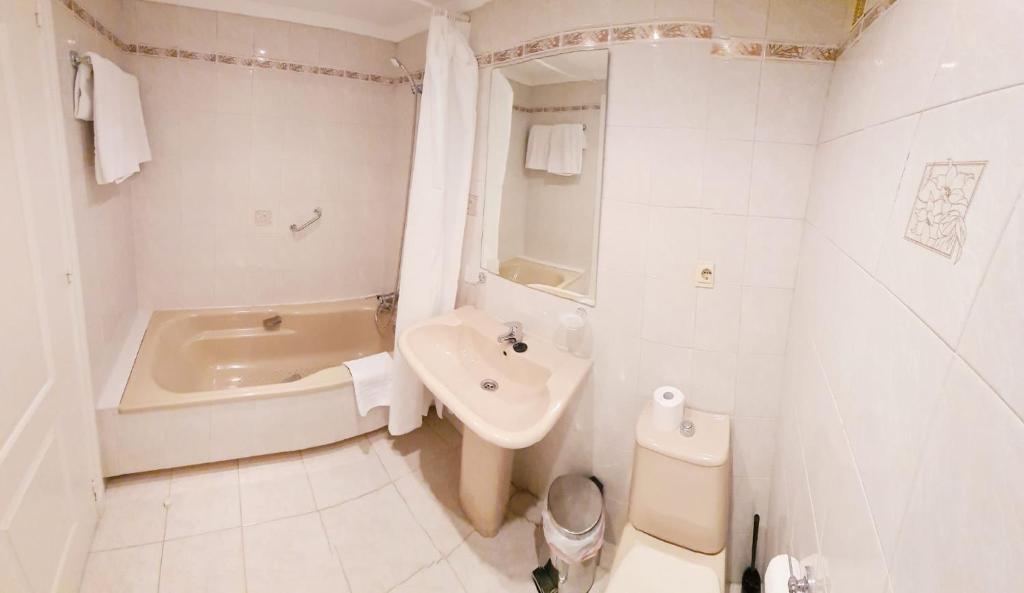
{"points": [[545, 156]]}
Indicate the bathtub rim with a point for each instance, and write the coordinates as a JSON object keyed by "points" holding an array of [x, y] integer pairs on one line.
{"points": [[158, 398]]}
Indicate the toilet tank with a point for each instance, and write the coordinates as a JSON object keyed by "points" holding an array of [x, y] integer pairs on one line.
{"points": [[682, 484]]}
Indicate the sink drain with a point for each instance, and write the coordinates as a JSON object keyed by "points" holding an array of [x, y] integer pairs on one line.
{"points": [[489, 385]]}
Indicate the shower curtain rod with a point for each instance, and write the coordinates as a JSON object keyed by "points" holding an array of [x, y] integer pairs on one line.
{"points": [[458, 16]]}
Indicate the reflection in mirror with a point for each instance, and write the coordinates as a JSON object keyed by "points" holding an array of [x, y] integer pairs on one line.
{"points": [[544, 167]]}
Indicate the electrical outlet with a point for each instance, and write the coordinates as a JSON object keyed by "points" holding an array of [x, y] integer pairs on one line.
{"points": [[705, 277], [264, 218]]}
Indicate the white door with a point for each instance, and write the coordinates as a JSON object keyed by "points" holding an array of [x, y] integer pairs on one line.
{"points": [[48, 450]]}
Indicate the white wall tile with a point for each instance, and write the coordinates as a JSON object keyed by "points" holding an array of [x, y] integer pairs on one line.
{"points": [[759, 384], [852, 207], [718, 318], [669, 305], [764, 319], [781, 179], [723, 243], [734, 88], [965, 496], [979, 51], [993, 340], [673, 241], [791, 101], [677, 163], [727, 165], [773, 249]]}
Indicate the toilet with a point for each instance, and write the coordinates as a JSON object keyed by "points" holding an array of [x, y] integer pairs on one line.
{"points": [[678, 509]]}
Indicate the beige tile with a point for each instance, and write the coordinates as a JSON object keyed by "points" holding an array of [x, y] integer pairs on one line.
{"points": [[444, 429], [433, 497], [525, 505], [378, 541], [209, 562], [501, 564], [133, 511], [203, 499], [343, 471], [437, 578], [408, 453], [128, 570], [291, 555], [274, 486]]}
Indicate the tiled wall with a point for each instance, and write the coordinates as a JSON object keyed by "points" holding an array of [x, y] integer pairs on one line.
{"points": [[707, 157], [901, 450], [103, 214], [230, 140]]}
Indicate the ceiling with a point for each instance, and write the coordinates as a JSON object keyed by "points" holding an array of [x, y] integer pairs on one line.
{"points": [[393, 20], [569, 67]]}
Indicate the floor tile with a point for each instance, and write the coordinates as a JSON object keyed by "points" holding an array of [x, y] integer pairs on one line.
{"points": [[502, 564], [273, 487], [211, 562], [291, 555], [437, 578], [378, 540], [203, 499], [433, 497], [526, 505], [128, 570], [443, 428], [343, 471], [133, 511], [405, 454]]}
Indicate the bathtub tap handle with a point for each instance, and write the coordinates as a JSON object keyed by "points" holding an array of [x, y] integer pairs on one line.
{"points": [[272, 323]]}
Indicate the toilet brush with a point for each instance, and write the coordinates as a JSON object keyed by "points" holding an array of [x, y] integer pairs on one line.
{"points": [[752, 578]]}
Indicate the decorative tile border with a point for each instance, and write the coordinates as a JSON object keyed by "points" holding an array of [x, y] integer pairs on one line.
{"points": [[615, 34], [866, 20], [225, 59], [557, 108]]}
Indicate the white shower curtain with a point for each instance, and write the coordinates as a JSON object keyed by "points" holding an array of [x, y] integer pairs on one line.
{"points": [[438, 196]]}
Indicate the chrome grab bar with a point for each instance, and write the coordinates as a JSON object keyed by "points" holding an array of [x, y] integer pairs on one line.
{"points": [[317, 213]]}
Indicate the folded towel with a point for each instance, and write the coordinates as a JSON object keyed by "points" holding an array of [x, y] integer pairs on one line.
{"points": [[538, 147], [566, 154], [371, 379], [109, 97]]}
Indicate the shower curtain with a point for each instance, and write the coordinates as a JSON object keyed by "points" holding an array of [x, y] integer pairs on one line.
{"points": [[438, 196]]}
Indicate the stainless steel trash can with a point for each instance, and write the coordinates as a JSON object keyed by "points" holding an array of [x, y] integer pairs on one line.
{"points": [[575, 510]]}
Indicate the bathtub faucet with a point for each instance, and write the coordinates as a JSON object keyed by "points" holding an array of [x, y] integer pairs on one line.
{"points": [[272, 323]]}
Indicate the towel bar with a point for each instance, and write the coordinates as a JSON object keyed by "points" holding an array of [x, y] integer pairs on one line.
{"points": [[77, 58], [317, 213]]}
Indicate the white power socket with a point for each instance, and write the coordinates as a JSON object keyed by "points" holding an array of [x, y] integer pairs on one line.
{"points": [[705, 274]]}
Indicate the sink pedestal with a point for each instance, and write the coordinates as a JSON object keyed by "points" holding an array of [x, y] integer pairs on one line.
{"points": [[485, 482]]}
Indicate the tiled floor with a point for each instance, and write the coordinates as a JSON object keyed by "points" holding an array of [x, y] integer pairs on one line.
{"points": [[373, 514]]}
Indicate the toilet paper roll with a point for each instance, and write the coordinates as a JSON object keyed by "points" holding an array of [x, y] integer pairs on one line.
{"points": [[667, 410], [776, 576]]}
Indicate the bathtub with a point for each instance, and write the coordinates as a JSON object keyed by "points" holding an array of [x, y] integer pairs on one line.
{"points": [[529, 271], [216, 384]]}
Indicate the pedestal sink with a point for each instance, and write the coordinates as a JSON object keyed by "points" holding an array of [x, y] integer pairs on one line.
{"points": [[506, 400]]}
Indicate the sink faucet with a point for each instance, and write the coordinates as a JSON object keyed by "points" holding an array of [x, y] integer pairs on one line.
{"points": [[514, 335]]}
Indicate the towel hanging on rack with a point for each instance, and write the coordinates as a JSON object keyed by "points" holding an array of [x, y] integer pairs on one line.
{"points": [[109, 97]]}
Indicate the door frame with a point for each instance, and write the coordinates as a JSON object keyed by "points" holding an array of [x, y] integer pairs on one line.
{"points": [[63, 217]]}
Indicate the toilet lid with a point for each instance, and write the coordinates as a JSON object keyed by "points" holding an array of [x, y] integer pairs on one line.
{"points": [[650, 570]]}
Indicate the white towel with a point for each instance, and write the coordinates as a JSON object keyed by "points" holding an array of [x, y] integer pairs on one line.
{"points": [[371, 379], [567, 144], [538, 147], [109, 97]]}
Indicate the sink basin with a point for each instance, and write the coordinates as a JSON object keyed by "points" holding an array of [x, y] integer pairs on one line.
{"points": [[507, 400], [455, 355]]}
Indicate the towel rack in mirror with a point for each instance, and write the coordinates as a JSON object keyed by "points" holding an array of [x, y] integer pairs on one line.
{"points": [[317, 213]]}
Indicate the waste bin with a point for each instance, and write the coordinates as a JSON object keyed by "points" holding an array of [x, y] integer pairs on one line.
{"points": [[574, 529]]}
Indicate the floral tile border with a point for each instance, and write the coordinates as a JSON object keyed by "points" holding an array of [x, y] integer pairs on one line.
{"points": [[866, 20], [615, 34], [557, 108]]}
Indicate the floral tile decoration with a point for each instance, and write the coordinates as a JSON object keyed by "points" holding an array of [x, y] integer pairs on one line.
{"points": [[938, 220]]}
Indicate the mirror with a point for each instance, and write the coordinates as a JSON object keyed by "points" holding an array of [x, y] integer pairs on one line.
{"points": [[545, 155]]}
